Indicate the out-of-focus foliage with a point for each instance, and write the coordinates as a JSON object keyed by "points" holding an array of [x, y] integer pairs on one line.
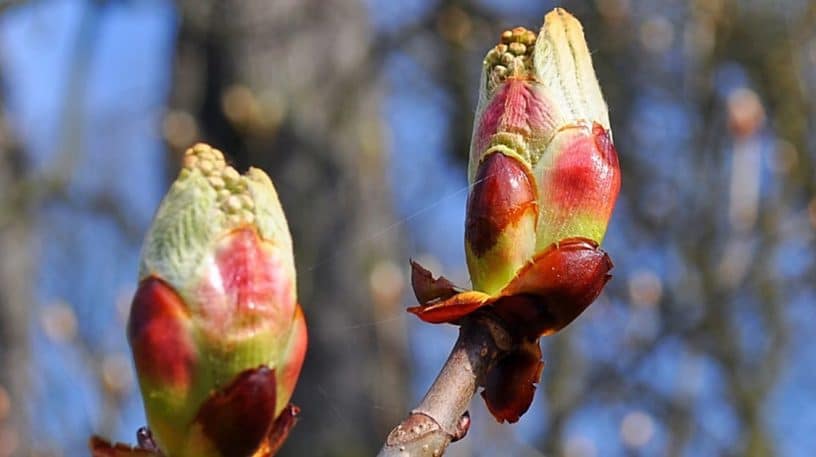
{"points": [[362, 112]]}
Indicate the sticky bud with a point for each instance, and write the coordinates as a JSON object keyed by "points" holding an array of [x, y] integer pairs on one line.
{"points": [[545, 178], [217, 335]]}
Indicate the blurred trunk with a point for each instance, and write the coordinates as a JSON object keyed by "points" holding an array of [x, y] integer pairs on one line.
{"points": [[285, 86], [15, 297]]}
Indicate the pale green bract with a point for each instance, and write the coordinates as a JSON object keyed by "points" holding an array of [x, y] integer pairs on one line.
{"points": [[207, 200], [184, 227]]}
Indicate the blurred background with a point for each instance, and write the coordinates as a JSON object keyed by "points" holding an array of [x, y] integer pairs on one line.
{"points": [[361, 111]]}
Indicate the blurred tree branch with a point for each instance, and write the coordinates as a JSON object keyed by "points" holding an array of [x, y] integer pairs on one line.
{"points": [[16, 269]]}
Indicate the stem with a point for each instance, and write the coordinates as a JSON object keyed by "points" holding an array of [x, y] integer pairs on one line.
{"points": [[441, 417]]}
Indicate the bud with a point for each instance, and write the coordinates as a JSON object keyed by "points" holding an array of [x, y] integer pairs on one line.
{"points": [[542, 113], [218, 338], [545, 177]]}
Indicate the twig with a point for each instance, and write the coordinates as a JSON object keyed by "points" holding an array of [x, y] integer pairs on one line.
{"points": [[441, 417]]}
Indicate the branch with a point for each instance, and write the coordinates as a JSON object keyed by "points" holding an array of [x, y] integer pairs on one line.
{"points": [[441, 417]]}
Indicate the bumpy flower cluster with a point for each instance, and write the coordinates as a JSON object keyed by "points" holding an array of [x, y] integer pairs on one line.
{"points": [[512, 56], [234, 198]]}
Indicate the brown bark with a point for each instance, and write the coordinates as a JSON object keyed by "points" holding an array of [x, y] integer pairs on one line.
{"points": [[441, 417]]}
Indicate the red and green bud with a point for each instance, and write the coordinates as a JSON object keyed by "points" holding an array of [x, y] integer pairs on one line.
{"points": [[501, 220], [579, 178], [218, 337], [545, 178], [541, 111]]}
